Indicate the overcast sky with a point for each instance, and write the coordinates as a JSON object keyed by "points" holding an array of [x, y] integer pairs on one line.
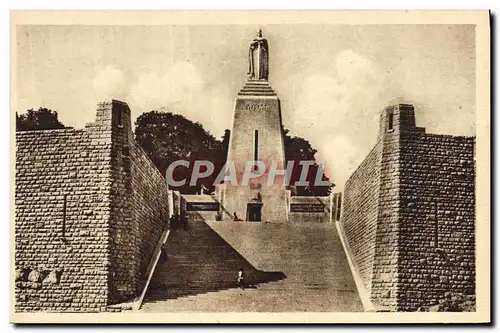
{"points": [[332, 80]]}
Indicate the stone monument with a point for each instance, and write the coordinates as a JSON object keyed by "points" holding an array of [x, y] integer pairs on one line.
{"points": [[257, 138]]}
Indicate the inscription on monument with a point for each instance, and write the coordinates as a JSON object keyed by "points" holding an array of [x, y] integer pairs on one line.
{"points": [[257, 107]]}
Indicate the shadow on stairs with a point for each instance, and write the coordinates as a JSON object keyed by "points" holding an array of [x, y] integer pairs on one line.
{"points": [[199, 261]]}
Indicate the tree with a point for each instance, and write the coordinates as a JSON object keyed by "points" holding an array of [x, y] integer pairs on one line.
{"points": [[168, 137], [41, 119], [225, 141], [299, 149]]}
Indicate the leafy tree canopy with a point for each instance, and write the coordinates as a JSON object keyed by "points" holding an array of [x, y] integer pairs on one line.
{"points": [[41, 119], [299, 149], [168, 137]]}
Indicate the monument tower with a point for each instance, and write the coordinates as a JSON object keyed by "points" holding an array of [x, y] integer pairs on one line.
{"points": [[256, 140]]}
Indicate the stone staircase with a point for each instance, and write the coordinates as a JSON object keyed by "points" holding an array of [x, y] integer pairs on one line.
{"points": [[275, 296], [318, 277], [200, 261]]}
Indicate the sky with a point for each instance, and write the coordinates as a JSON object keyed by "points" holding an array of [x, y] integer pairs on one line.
{"points": [[332, 80]]}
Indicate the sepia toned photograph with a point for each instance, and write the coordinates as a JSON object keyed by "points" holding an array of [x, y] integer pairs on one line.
{"points": [[250, 167]]}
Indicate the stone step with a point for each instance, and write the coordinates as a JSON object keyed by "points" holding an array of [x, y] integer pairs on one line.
{"points": [[257, 89], [257, 86], [258, 93]]}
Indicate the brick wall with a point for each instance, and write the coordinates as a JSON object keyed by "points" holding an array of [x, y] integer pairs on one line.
{"points": [[90, 207], [413, 226]]}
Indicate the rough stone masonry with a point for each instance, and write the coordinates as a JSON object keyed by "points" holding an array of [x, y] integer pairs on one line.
{"points": [[409, 215], [90, 209]]}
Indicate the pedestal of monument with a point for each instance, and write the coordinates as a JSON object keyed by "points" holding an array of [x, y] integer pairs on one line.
{"points": [[256, 135]]}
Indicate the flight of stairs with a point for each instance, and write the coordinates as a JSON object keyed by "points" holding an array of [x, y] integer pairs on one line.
{"points": [[276, 296], [200, 261], [311, 256]]}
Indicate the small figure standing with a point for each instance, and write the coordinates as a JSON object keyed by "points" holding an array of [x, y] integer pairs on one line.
{"points": [[163, 253], [241, 279]]}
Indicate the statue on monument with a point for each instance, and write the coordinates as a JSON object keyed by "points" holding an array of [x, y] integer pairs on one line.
{"points": [[258, 58]]}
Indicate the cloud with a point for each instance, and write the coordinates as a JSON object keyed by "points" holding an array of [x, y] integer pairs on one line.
{"points": [[182, 77], [338, 112], [181, 89], [341, 157], [110, 83], [319, 97], [213, 107], [351, 66], [184, 91], [177, 85], [148, 89]]}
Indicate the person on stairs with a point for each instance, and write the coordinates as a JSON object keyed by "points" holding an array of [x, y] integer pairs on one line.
{"points": [[241, 279], [235, 217], [163, 252]]}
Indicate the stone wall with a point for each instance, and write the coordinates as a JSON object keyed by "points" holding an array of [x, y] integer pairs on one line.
{"points": [[385, 283], [437, 217], [62, 212], [90, 209], [409, 215], [360, 212], [138, 206]]}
